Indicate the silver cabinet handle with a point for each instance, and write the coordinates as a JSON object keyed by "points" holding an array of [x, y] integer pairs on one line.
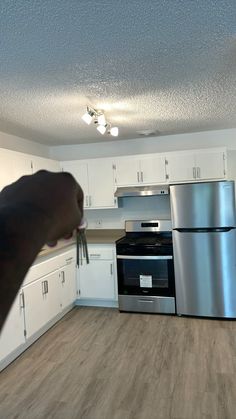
{"points": [[198, 172], [63, 277], [141, 176], [138, 176], [44, 287], [95, 255], [194, 172], [22, 300], [144, 257], [111, 268], [90, 200], [145, 301], [86, 201]]}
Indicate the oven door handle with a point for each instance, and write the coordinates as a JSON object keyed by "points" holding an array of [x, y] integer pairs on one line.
{"points": [[144, 257]]}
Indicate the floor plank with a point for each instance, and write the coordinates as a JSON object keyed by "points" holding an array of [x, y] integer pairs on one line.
{"points": [[101, 364]]}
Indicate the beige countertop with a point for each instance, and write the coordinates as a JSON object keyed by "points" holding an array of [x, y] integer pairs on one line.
{"points": [[102, 236], [61, 245], [96, 236]]}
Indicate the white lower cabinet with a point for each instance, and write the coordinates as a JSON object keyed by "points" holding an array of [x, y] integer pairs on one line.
{"points": [[42, 302], [97, 280], [12, 335], [67, 283], [48, 292]]}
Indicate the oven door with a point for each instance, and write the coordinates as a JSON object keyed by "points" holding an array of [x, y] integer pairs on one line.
{"points": [[145, 275]]}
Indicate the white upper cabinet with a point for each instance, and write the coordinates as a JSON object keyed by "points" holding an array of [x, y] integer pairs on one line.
{"points": [[41, 163], [140, 170], [196, 165], [210, 165], [180, 166], [101, 183], [13, 166], [153, 169], [96, 178], [127, 171], [79, 169]]}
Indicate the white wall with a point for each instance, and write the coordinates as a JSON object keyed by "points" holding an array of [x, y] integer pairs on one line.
{"points": [[15, 143], [130, 208], [108, 148]]}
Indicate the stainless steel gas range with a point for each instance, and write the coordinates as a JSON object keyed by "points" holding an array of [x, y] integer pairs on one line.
{"points": [[145, 267]]}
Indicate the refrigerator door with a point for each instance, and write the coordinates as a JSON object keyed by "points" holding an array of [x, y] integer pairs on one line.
{"points": [[205, 273], [203, 205]]}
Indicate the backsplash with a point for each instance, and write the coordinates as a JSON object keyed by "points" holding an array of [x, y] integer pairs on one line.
{"points": [[130, 208]]}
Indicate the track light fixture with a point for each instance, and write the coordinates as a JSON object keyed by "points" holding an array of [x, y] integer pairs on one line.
{"points": [[100, 120]]}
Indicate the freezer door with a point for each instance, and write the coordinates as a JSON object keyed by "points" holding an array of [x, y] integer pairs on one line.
{"points": [[205, 273], [203, 205]]}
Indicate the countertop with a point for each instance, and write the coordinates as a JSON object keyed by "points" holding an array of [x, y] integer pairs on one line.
{"points": [[96, 236], [102, 236]]}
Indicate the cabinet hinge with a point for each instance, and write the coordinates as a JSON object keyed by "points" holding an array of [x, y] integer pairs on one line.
{"points": [[25, 333], [166, 161], [167, 176]]}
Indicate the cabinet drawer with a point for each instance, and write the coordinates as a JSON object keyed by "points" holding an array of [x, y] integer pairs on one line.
{"points": [[52, 264], [97, 252]]}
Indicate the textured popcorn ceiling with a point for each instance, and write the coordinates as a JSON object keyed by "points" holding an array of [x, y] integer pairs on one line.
{"points": [[164, 66]]}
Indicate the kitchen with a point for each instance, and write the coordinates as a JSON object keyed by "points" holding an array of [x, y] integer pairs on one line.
{"points": [[147, 365]]}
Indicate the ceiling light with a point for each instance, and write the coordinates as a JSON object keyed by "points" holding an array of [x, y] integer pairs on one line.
{"points": [[88, 116], [102, 129], [114, 131], [101, 119]]}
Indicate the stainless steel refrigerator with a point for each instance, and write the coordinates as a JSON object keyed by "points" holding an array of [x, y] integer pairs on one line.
{"points": [[204, 240]]}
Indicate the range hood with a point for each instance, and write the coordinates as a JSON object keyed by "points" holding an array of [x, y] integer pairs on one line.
{"points": [[142, 190]]}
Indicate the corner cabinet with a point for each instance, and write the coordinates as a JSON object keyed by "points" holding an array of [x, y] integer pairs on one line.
{"points": [[196, 165], [96, 281], [96, 178], [140, 170]]}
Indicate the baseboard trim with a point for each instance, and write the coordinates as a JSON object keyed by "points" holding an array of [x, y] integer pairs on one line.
{"points": [[96, 303]]}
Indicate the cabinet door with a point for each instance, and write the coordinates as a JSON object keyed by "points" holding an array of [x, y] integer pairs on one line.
{"points": [[67, 280], [101, 183], [96, 280], [210, 165], [181, 167], [80, 172], [12, 334], [42, 302], [13, 166], [40, 163], [127, 171], [153, 170]]}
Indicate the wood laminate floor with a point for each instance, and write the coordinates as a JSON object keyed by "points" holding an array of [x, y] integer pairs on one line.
{"points": [[102, 364]]}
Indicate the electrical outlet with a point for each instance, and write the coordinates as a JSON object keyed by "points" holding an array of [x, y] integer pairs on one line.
{"points": [[98, 223]]}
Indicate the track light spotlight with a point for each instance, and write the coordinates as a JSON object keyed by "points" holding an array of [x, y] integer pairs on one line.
{"points": [[114, 131], [88, 116], [102, 129], [101, 119]]}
